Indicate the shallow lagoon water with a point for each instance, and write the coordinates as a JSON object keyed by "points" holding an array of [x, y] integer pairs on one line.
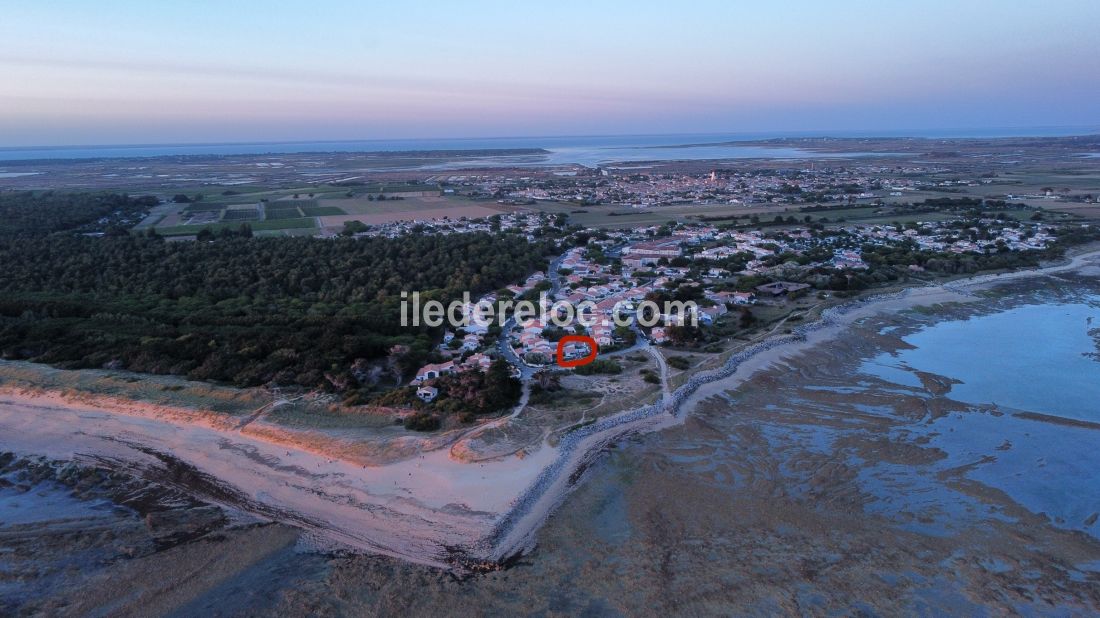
{"points": [[1034, 357], [1044, 467]]}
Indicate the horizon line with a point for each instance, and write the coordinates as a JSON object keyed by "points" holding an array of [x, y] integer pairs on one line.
{"points": [[817, 133]]}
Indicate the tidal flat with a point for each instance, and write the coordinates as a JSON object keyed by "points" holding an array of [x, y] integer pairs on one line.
{"points": [[906, 464]]}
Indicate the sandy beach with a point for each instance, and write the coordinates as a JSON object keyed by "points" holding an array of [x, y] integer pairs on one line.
{"points": [[414, 509]]}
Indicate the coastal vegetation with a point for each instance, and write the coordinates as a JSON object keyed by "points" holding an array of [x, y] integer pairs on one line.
{"points": [[464, 395], [234, 309], [599, 366], [28, 214]]}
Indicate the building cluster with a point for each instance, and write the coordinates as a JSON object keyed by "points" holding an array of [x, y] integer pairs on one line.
{"points": [[933, 236], [619, 269], [641, 189], [524, 222]]}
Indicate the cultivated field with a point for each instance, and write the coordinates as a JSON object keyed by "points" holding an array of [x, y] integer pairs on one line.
{"points": [[1090, 212], [617, 217], [281, 213], [626, 217], [409, 209]]}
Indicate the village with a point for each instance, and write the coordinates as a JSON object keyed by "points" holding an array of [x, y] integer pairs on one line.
{"points": [[720, 273], [808, 183]]}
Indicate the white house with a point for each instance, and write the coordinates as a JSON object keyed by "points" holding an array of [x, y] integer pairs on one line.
{"points": [[434, 370]]}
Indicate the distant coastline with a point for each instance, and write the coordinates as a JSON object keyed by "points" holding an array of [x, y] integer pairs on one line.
{"points": [[496, 146]]}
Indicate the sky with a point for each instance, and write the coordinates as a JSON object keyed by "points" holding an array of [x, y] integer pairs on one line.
{"points": [[130, 71]]}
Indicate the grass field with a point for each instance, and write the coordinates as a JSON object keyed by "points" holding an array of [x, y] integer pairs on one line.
{"points": [[375, 212], [272, 214], [203, 207], [241, 215], [292, 203], [247, 193], [1087, 212], [619, 217], [363, 206], [871, 214], [616, 217], [322, 211], [397, 187]]}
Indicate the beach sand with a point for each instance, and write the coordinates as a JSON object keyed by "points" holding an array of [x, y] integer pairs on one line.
{"points": [[429, 509]]}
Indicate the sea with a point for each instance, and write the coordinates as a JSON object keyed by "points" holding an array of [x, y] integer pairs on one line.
{"points": [[584, 149]]}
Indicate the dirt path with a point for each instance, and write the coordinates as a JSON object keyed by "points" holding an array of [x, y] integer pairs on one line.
{"points": [[666, 392], [251, 418]]}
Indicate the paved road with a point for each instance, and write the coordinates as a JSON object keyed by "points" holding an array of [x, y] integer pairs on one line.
{"points": [[527, 372], [504, 343], [554, 275]]}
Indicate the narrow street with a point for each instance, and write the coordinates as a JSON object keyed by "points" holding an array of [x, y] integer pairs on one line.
{"points": [[504, 343]]}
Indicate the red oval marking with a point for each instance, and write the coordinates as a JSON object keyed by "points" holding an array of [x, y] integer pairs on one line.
{"points": [[593, 348]]}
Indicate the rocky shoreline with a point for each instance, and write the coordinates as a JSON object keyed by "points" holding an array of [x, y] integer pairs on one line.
{"points": [[514, 534], [468, 541], [612, 429]]}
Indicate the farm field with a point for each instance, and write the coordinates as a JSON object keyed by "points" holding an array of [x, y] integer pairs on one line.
{"points": [[615, 217], [254, 194], [272, 214], [1087, 212], [625, 217], [322, 211], [203, 207], [374, 212], [364, 206], [247, 213]]}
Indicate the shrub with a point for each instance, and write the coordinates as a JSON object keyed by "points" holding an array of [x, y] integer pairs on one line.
{"points": [[679, 362], [600, 365], [422, 421]]}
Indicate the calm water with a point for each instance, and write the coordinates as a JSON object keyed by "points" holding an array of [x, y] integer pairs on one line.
{"points": [[565, 145], [1038, 358], [588, 150], [1033, 358]]}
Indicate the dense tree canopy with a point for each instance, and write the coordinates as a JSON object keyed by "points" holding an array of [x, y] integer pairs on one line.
{"points": [[242, 310], [23, 213]]}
